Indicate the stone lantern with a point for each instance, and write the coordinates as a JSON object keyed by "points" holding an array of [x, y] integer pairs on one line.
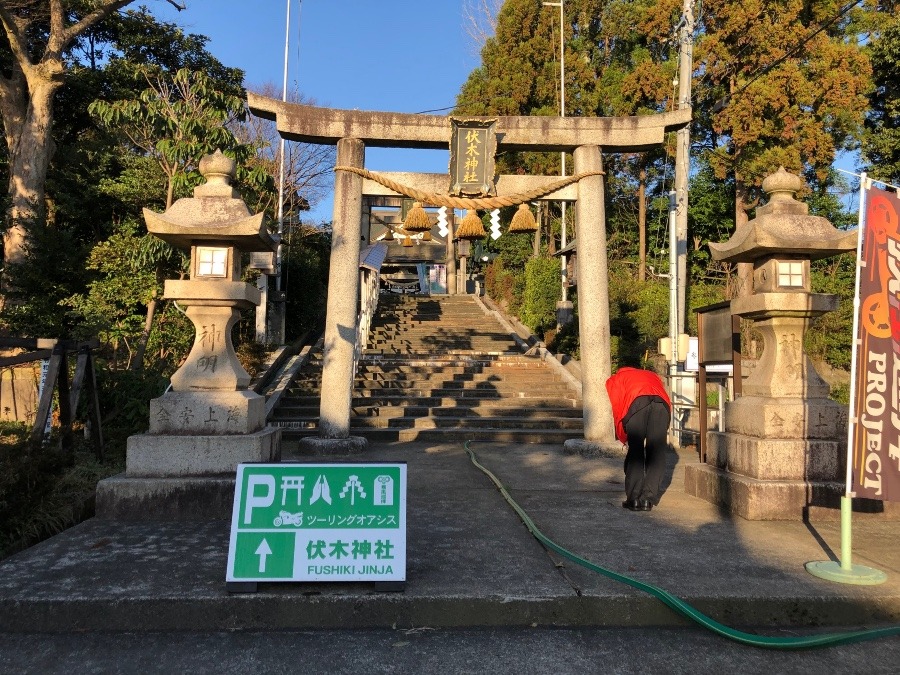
{"points": [[209, 421], [783, 448]]}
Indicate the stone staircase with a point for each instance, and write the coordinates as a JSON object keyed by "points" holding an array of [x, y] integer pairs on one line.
{"points": [[441, 369]]}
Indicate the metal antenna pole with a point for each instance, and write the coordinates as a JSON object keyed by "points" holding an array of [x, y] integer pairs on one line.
{"points": [[562, 113], [280, 251]]}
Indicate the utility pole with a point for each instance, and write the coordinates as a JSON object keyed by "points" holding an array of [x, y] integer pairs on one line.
{"points": [[682, 153], [279, 328], [564, 300]]}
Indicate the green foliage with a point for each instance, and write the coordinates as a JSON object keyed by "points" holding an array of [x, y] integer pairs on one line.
{"points": [[881, 141], [638, 316], [505, 285], [710, 218], [177, 119], [129, 268], [777, 108], [42, 492], [830, 337], [542, 284], [566, 339], [50, 271], [840, 393], [306, 264], [125, 403]]}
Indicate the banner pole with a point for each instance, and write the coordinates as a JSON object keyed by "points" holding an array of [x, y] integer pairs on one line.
{"points": [[845, 572]]}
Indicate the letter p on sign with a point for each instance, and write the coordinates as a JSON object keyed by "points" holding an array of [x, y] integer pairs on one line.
{"points": [[254, 500]]}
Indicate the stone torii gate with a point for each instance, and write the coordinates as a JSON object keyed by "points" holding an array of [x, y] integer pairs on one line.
{"points": [[353, 130]]}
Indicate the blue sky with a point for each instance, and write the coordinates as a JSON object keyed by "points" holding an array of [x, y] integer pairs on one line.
{"points": [[395, 55]]}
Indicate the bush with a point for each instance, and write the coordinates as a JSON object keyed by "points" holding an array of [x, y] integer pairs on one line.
{"points": [[542, 289], [504, 286]]}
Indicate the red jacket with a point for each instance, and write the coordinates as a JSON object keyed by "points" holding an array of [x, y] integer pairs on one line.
{"points": [[625, 386]]}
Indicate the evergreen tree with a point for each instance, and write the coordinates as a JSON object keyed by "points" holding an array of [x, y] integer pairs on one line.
{"points": [[881, 141]]}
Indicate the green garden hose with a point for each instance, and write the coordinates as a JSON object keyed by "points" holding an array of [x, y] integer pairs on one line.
{"points": [[679, 605]]}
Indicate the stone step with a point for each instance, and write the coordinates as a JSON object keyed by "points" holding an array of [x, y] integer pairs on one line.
{"points": [[446, 381], [442, 422], [449, 353], [442, 370], [465, 380], [366, 369], [466, 393], [429, 359], [359, 403], [549, 436], [304, 413]]}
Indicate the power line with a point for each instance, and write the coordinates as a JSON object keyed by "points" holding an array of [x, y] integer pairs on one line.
{"points": [[422, 112], [791, 53]]}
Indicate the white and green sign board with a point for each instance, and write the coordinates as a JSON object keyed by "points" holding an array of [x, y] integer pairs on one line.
{"points": [[318, 522]]}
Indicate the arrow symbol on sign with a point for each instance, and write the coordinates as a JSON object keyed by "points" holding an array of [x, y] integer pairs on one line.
{"points": [[263, 551]]}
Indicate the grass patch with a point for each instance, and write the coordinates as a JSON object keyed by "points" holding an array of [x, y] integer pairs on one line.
{"points": [[43, 491]]}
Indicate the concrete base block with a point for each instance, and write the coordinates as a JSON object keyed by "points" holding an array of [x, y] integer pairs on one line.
{"points": [[565, 313], [313, 445], [586, 448], [151, 455], [776, 458], [755, 499], [786, 418], [165, 499]]}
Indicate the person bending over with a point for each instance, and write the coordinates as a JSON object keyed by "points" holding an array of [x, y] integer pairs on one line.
{"points": [[641, 410]]}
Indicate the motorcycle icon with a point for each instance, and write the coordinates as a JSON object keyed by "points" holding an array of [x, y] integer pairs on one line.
{"points": [[285, 518]]}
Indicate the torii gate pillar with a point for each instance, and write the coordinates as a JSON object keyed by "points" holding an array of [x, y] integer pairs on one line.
{"points": [[341, 310], [593, 316]]}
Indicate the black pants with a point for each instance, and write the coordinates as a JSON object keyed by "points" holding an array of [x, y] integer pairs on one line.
{"points": [[646, 424]]}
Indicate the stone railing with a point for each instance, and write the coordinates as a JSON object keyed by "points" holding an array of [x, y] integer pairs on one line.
{"points": [[370, 259]]}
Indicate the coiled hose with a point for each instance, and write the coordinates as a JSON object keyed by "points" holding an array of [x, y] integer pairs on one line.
{"points": [[679, 605]]}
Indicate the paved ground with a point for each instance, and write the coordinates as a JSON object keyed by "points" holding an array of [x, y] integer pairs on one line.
{"points": [[524, 651], [482, 594]]}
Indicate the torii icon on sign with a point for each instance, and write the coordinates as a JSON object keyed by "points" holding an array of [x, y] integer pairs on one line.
{"points": [[291, 483], [354, 486]]}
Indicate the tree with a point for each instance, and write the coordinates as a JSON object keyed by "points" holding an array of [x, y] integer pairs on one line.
{"points": [[37, 33], [617, 63], [777, 84], [308, 168], [881, 141], [480, 20], [175, 121]]}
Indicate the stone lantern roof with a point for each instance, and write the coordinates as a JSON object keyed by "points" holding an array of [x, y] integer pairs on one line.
{"points": [[215, 213], [784, 227]]}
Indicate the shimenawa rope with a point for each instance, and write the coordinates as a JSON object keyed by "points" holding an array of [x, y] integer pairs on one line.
{"points": [[479, 203]]}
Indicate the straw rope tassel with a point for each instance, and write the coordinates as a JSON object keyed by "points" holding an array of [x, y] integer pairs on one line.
{"points": [[523, 221], [417, 219], [471, 227]]}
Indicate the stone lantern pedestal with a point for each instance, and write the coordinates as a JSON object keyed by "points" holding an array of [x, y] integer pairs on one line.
{"points": [[784, 445], [209, 422]]}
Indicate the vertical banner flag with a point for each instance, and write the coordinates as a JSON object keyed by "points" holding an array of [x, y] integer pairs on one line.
{"points": [[876, 436]]}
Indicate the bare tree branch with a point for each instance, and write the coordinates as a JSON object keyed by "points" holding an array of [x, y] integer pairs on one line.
{"points": [[480, 21]]}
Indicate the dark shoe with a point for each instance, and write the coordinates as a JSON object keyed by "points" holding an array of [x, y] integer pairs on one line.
{"points": [[646, 505], [632, 505]]}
